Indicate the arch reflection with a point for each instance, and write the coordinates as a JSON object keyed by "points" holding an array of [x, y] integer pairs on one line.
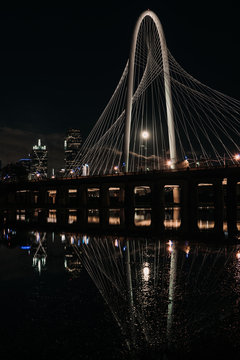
{"points": [[167, 297]]}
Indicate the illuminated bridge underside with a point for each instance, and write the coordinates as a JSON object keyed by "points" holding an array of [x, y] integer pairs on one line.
{"points": [[159, 116], [119, 202]]}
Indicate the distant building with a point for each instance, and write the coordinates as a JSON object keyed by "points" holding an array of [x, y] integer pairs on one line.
{"points": [[72, 147], [39, 160], [26, 164], [14, 172]]}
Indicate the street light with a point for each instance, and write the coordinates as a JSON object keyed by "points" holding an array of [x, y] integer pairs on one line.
{"points": [[169, 163], [115, 168]]}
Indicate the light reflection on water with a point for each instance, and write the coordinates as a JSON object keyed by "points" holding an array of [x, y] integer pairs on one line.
{"points": [[165, 296], [142, 217], [172, 218], [171, 295], [114, 217], [52, 216]]}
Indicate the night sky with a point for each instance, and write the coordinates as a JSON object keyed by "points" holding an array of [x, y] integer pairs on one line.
{"points": [[60, 65]]}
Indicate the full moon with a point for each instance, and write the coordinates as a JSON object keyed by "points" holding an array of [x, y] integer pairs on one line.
{"points": [[145, 134]]}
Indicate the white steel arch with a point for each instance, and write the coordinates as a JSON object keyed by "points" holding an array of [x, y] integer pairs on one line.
{"points": [[167, 85]]}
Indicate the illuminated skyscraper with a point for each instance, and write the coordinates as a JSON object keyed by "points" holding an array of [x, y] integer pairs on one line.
{"points": [[72, 146], [39, 156]]}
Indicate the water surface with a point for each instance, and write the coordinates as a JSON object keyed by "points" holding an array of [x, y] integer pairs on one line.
{"points": [[70, 295]]}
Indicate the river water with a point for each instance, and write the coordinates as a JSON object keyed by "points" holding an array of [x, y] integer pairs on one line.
{"points": [[78, 296]]}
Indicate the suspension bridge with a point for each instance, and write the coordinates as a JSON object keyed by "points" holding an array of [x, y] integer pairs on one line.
{"points": [[162, 132]]}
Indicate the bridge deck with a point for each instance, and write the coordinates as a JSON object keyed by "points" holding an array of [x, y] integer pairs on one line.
{"points": [[120, 201]]}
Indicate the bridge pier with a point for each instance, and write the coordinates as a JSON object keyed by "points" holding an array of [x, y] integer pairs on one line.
{"points": [[129, 207], [62, 196], [42, 197], [218, 206], [189, 208], [62, 216], [42, 216], [158, 213], [82, 205], [104, 206], [231, 204]]}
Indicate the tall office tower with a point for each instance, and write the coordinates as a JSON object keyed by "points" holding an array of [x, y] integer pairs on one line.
{"points": [[72, 146], [39, 156]]}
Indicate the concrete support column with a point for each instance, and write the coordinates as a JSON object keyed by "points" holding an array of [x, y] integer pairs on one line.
{"points": [[11, 215], [32, 202], [82, 214], [189, 207], [122, 217], [129, 206], [11, 198], [218, 206], [28, 198], [62, 196], [42, 216], [42, 198], [29, 215], [104, 205], [157, 207], [231, 202], [82, 196], [121, 195], [62, 216]]}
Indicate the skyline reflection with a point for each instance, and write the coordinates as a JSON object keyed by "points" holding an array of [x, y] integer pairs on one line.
{"points": [[166, 296]]}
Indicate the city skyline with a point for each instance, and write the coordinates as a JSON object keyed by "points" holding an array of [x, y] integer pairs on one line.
{"points": [[120, 202], [36, 160], [60, 66]]}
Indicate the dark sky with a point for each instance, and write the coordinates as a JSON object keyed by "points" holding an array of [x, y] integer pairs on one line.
{"points": [[60, 65]]}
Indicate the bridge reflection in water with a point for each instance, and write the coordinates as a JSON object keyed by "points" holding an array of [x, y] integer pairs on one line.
{"points": [[142, 219], [167, 297]]}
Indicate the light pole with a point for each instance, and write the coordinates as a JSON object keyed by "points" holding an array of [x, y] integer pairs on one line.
{"points": [[237, 157]]}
